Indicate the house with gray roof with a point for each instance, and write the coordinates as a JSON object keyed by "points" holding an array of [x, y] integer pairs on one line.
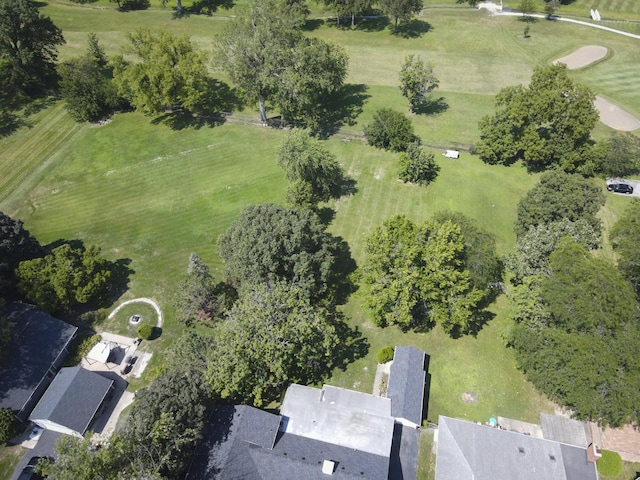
{"points": [[319, 433], [71, 401], [471, 451], [406, 387], [39, 348]]}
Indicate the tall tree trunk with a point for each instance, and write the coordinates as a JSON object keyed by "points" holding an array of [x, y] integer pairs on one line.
{"points": [[263, 109], [179, 6], [353, 19]]}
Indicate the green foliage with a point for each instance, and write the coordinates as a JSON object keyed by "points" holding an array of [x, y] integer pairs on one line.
{"points": [[400, 10], [86, 85], [414, 276], [560, 196], [80, 348], [531, 255], [268, 58], [576, 335], [16, 245], [199, 299], [610, 464], [385, 354], [390, 130], [273, 335], [306, 161], [64, 278], [145, 331], [171, 73], [344, 8], [527, 7], [417, 165], [29, 44], [624, 237], [269, 243], [623, 155], [417, 81], [546, 124], [7, 425]]}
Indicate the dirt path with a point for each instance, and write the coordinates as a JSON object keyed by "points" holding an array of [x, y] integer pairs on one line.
{"points": [[148, 301]]}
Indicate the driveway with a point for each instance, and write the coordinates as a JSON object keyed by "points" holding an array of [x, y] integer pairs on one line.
{"points": [[634, 183]]}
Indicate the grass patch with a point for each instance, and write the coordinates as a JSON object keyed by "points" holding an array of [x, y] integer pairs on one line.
{"points": [[610, 464], [9, 458], [119, 323], [426, 457]]}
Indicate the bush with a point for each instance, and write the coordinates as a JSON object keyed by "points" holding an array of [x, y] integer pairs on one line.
{"points": [[390, 130], [417, 166], [7, 425], [145, 331], [80, 348], [610, 465], [385, 354]]}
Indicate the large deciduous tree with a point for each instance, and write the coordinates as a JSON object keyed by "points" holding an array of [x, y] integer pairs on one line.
{"points": [[390, 130], [269, 59], [625, 238], [350, 8], [623, 155], [304, 159], [414, 276], [269, 242], [86, 84], [560, 195], [66, 277], [273, 335], [16, 245], [418, 166], [28, 45], [417, 81], [401, 10], [576, 335], [169, 73], [546, 124]]}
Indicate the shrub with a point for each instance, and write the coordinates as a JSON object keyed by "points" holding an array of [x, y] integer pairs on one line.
{"points": [[417, 166], [7, 425], [390, 130], [610, 464], [80, 348], [145, 331], [385, 354]]}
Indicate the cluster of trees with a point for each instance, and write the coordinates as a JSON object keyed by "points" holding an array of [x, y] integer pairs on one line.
{"points": [[546, 125], [576, 316], [439, 272]]}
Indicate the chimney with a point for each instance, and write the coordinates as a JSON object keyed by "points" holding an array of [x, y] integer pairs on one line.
{"points": [[328, 467], [593, 452]]}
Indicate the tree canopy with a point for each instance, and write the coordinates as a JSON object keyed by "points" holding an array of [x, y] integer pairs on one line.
{"points": [[304, 159], [414, 276], [16, 245], [559, 196], [170, 73], [269, 243], [28, 46], [401, 10], [625, 238], [417, 81], [546, 124], [417, 166], [64, 278], [390, 130], [272, 335], [623, 155]]}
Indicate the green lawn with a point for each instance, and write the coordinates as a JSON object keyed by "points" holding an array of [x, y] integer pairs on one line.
{"points": [[145, 192]]}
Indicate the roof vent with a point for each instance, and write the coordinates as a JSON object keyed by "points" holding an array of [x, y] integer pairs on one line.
{"points": [[521, 449], [552, 457], [328, 467]]}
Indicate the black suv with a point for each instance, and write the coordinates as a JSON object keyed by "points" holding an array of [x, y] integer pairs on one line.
{"points": [[620, 188]]}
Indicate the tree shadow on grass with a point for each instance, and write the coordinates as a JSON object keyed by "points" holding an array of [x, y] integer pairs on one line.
{"points": [[10, 122], [432, 107], [479, 319], [342, 284], [527, 19], [374, 23], [342, 108], [313, 24], [353, 345], [412, 29]]}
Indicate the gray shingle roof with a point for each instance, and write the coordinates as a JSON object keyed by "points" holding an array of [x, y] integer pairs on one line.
{"points": [[468, 451], [225, 452], [40, 342], [407, 383], [73, 398]]}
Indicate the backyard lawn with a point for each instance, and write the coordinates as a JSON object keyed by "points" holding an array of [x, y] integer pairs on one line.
{"points": [[151, 195]]}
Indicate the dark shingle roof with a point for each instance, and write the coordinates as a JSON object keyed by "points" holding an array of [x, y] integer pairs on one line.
{"points": [[468, 451], [39, 342], [406, 384], [226, 452], [73, 398]]}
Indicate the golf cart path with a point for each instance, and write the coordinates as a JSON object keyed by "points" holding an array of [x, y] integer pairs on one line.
{"points": [[148, 301]]}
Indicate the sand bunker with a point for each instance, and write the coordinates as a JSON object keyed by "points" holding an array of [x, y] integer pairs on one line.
{"points": [[583, 56], [615, 117]]}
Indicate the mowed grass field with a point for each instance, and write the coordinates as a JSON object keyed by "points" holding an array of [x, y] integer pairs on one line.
{"points": [[147, 193]]}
